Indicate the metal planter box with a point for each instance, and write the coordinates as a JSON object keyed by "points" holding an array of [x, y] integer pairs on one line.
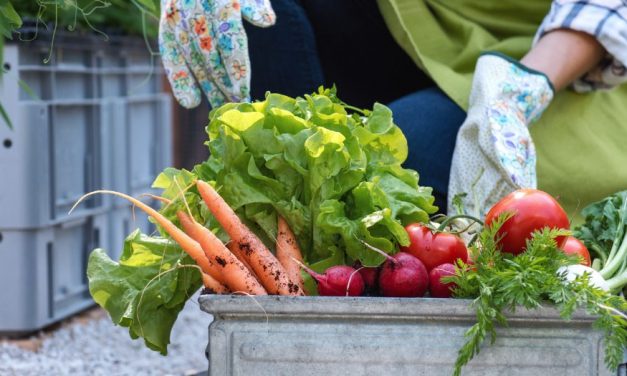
{"points": [[272, 335]]}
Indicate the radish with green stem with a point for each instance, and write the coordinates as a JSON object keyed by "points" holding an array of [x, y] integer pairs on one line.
{"points": [[339, 280], [402, 275], [595, 279]]}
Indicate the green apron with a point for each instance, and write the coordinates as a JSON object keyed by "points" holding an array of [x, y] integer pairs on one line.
{"points": [[581, 139]]}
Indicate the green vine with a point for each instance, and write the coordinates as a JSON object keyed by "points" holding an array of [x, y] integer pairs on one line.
{"points": [[132, 17]]}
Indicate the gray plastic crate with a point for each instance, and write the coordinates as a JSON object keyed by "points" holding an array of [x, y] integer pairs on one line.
{"points": [[82, 132], [72, 138], [142, 142], [271, 335], [43, 272], [54, 155]]}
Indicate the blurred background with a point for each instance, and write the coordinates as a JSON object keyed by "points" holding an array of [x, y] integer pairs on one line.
{"points": [[84, 105]]}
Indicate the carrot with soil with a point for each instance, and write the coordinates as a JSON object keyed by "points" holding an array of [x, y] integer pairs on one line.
{"points": [[234, 274], [189, 245], [213, 285], [232, 246], [287, 250], [270, 272]]}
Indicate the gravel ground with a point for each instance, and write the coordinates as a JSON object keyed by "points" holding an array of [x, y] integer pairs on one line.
{"points": [[92, 345]]}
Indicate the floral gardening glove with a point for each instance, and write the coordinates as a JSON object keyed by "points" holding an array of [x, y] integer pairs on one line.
{"points": [[207, 38], [494, 153]]}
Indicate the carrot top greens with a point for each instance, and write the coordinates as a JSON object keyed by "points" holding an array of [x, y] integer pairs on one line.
{"points": [[500, 282]]}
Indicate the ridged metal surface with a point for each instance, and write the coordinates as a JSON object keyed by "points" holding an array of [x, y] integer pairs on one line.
{"points": [[388, 336]]}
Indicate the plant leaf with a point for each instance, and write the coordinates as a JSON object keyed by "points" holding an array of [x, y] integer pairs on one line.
{"points": [[146, 289], [9, 17], [5, 117]]}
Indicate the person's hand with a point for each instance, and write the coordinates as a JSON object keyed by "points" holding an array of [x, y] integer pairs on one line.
{"points": [[203, 42], [494, 153]]}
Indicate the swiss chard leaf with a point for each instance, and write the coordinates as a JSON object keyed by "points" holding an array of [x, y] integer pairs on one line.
{"points": [[605, 226], [146, 289]]}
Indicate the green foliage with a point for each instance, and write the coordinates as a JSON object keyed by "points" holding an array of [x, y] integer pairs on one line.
{"points": [[138, 17], [146, 289], [129, 16], [334, 175], [9, 21], [501, 282], [605, 234]]}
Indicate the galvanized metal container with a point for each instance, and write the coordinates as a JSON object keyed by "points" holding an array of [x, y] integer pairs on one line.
{"points": [[272, 335]]}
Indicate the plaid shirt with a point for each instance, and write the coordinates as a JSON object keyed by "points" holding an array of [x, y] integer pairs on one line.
{"points": [[606, 20]]}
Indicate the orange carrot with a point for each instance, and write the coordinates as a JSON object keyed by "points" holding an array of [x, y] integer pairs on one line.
{"points": [[213, 285], [188, 244], [287, 250], [232, 246], [270, 272], [234, 274]]}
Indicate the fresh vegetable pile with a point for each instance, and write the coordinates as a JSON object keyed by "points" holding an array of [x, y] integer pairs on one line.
{"points": [[331, 172], [308, 196]]}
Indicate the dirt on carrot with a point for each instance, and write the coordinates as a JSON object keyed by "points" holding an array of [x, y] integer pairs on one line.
{"points": [[234, 274], [287, 250], [268, 269]]}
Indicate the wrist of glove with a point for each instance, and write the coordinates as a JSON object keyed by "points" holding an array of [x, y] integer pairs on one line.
{"points": [[494, 153], [203, 45]]}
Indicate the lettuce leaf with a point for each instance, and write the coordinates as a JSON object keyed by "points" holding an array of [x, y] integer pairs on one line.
{"points": [[146, 289], [336, 177]]}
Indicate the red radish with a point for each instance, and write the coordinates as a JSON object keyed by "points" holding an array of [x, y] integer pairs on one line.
{"points": [[403, 275], [437, 288], [370, 275], [339, 280]]}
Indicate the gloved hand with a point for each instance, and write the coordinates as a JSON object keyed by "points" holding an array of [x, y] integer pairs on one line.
{"points": [[494, 140], [207, 37]]}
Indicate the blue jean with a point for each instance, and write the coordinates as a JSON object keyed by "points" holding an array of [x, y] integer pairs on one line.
{"points": [[430, 121], [326, 42]]}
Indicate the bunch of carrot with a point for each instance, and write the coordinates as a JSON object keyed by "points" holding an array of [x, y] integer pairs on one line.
{"points": [[246, 265]]}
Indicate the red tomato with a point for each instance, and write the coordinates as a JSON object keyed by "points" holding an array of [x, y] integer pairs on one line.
{"points": [[574, 246], [533, 210], [434, 249]]}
